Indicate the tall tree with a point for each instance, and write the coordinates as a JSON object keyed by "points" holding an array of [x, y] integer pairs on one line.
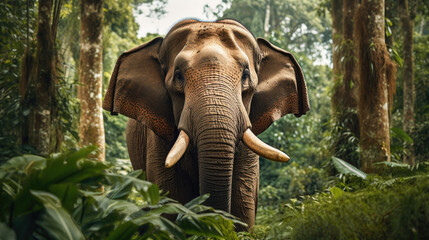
{"points": [[42, 116], [348, 54], [375, 71], [336, 14], [407, 13], [267, 21], [91, 128], [343, 101]]}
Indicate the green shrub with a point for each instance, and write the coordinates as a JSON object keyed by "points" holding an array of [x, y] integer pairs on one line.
{"points": [[394, 205], [399, 211], [291, 181], [385, 209], [68, 196]]}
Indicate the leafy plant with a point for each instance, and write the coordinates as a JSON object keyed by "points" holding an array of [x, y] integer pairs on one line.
{"points": [[391, 206], [68, 196], [345, 168]]}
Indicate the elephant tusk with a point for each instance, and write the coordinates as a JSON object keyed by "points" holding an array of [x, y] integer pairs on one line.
{"points": [[263, 149], [178, 149]]}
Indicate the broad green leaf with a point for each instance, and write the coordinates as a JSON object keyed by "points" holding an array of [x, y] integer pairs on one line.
{"points": [[122, 186], [171, 208], [388, 22], [55, 222], [346, 168], [336, 192], [70, 167], [230, 217], [87, 168], [6, 233], [67, 193], [399, 133], [109, 206], [128, 229], [197, 201], [25, 226], [89, 215], [96, 213], [397, 57], [148, 190], [198, 225], [200, 208], [124, 231], [10, 188], [171, 229], [21, 164]]}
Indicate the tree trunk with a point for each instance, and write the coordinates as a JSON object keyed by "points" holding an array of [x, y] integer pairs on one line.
{"points": [[40, 129], [91, 129], [407, 14], [348, 54], [343, 102], [267, 21], [375, 70], [336, 15], [345, 115]]}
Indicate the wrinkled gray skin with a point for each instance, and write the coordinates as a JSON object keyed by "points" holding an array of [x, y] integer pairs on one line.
{"points": [[213, 81]]}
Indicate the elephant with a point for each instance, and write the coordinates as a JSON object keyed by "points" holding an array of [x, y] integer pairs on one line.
{"points": [[196, 100]]}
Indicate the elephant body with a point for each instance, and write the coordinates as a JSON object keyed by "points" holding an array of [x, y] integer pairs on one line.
{"points": [[195, 100]]}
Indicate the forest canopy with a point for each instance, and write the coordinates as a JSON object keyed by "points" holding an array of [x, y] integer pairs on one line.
{"points": [[360, 153]]}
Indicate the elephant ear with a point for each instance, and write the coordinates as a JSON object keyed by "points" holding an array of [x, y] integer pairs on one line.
{"points": [[137, 89], [281, 88]]}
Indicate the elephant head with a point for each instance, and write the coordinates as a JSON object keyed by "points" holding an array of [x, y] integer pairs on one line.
{"points": [[208, 86]]}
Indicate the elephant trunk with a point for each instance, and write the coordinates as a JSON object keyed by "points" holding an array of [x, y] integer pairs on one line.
{"points": [[215, 158], [220, 123]]}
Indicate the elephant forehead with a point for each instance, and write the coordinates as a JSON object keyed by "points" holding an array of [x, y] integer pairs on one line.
{"points": [[212, 73], [211, 52], [193, 34]]}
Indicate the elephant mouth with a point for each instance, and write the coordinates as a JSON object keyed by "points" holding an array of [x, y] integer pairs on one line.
{"points": [[249, 139]]}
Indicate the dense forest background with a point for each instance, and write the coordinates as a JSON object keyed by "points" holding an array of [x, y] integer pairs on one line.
{"points": [[360, 156]]}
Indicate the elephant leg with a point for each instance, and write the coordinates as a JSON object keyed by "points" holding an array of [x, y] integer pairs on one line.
{"points": [[157, 150], [136, 135], [245, 185], [180, 181], [148, 152]]}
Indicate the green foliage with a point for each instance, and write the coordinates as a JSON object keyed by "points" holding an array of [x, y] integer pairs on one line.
{"points": [[398, 212], [392, 206], [13, 29], [399, 142], [421, 76], [289, 182], [114, 129], [421, 140], [61, 197], [343, 141]]}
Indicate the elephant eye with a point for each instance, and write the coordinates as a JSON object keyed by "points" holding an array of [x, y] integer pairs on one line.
{"points": [[245, 76], [245, 79], [178, 75], [179, 81]]}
